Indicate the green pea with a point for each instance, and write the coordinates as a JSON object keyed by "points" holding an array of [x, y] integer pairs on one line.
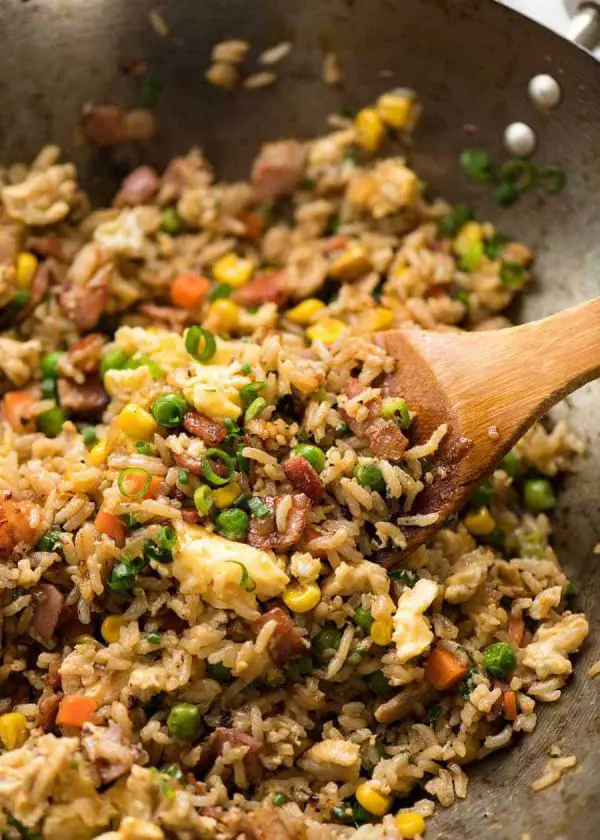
{"points": [[50, 422], [299, 668], [395, 408], [379, 683], [538, 495], [279, 799], [511, 464], [233, 523], [114, 360], [219, 672], [169, 409], [170, 221], [363, 618], [48, 387], [183, 721], [50, 364], [89, 436], [313, 454], [328, 638], [569, 590], [499, 659], [483, 495], [368, 475], [183, 477], [50, 541]]}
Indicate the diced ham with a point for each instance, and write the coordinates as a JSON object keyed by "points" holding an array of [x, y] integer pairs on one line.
{"points": [[285, 643], [206, 428], [190, 516], [184, 173], [138, 187], [269, 287], [385, 436], [86, 354], [263, 532], [104, 125], [48, 604], [215, 743], [89, 397], [84, 304], [47, 246], [19, 522], [278, 169], [188, 462], [303, 476]]}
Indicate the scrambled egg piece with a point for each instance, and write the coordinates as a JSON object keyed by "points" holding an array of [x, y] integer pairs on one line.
{"points": [[412, 632], [214, 567], [124, 235], [333, 759], [165, 348], [212, 388], [547, 653]]}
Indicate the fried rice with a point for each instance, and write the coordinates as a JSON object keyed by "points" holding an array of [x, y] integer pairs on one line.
{"points": [[209, 628]]}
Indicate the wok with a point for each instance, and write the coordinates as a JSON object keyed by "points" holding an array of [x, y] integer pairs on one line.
{"points": [[470, 60]]}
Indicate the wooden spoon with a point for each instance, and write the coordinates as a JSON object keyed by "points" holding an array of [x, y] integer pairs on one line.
{"points": [[489, 388]]}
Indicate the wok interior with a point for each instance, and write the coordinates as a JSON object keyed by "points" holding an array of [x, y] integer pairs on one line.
{"points": [[470, 62]]}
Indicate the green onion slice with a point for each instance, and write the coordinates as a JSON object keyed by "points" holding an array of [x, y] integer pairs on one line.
{"points": [[167, 536], [130, 474], [258, 508], [249, 392], [255, 408], [207, 469], [512, 274], [246, 581], [519, 172], [200, 343], [551, 179], [477, 164]]}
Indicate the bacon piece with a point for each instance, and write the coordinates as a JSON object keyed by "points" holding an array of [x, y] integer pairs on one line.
{"points": [[89, 397], [138, 187], [285, 643], [303, 476], [104, 125], [189, 515], [384, 436], [215, 743], [46, 612], [184, 173], [265, 288], [49, 245], [18, 523], [86, 354], [263, 532], [47, 711], [277, 169], [206, 428], [84, 304]]}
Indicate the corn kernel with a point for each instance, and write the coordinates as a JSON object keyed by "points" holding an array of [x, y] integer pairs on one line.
{"points": [[233, 270], [86, 639], [223, 315], [136, 422], [369, 129], [376, 319], [111, 628], [396, 109], [305, 312], [13, 730], [353, 262], [381, 632], [480, 522], [372, 799], [328, 330], [470, 234], [224, 497], [361, 188], [99, 452], [301, 598], [410, 824], [26, 267]]}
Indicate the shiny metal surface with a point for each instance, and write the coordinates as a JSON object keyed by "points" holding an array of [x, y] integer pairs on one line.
{"points": [[471, 61]]}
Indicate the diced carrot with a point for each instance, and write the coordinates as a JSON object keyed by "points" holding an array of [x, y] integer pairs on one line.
{"points": [[15, 406], [516, 631], [108, 523], [443, 669], [254, 224], [509, 703], [75, 710], [189, 290], [134, 485]]}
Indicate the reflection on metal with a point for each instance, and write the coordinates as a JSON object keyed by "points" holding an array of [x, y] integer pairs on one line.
{"points": [[585, 24]]}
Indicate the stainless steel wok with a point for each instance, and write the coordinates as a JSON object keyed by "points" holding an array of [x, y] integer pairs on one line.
{"points": [[470, 61]]}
